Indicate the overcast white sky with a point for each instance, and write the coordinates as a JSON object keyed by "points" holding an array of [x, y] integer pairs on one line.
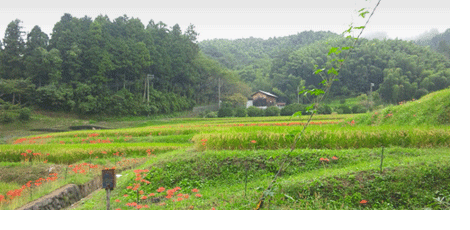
{"points": [[244, 18]]}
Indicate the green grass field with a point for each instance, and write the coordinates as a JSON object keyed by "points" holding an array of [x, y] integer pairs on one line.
{"points": [[228, 163]]}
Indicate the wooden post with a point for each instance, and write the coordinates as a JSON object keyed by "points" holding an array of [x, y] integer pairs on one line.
{"points": [[108, 195]]}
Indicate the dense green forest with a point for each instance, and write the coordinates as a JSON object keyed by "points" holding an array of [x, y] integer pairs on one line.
{"points": [[101, 66], [400, 70]]}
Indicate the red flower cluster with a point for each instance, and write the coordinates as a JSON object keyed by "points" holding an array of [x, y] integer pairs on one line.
{"points": [[93, 135], [324, 159], [17, 192], [31, 140], [107, 141]]}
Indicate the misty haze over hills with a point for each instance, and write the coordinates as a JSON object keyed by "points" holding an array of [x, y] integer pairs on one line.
{"points": [[382, 34]]}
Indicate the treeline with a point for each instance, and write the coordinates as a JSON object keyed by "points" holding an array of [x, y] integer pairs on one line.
{"points": [[399, 70], [102, 67]]}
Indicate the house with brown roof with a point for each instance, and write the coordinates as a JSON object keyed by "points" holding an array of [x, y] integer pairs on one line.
{"points": [[262, 99]]}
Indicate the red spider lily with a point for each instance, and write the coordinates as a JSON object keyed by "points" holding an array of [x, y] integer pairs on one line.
{"points": [[353, 122], [324, 159], [168, 197], [195, 190], [2, 197], [146, 206], [144, 198], [125, 195], [177, 188], [152, 194], [186, 196], [179, 194], [131, 204], [179, 199], [118, 209], [161, 189], [198, 195], [141, 192], [162, 204], [28, 151], [363, 202], [213, 208], [24, 154], [129, 187], [117, 200], [253, 141], [204, 140], [334, 158]]}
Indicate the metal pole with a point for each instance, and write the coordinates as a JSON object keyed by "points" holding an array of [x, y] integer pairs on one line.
{"points": [[218, 102], [148, 90], [108, 195], [298, 98], [370, 95]]}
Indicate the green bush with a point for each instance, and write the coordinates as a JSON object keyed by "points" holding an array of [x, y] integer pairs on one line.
{"points": [[358, 109], [225, 111], [6, 117], [290, 109], [211, 115], [272, 111], [239, 112], [25, 114], [344, 109], [324, 109], [254, 112]]}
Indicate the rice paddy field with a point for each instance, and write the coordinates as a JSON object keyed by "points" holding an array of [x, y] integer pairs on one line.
{"points": [[341, 162]]}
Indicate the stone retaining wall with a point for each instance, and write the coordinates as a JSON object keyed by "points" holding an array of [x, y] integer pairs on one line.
{"points": [[64, 197]]}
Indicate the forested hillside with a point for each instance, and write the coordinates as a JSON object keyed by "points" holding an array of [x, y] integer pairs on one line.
{"points": [[101, 66], [400, 70]]}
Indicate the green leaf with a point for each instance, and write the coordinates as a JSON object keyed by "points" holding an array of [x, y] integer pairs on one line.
{"points": [[318, 71], [359, 27], [348, 30], [332, 71], [346, 47], [297, 114], [308, 108], [316, 92], [363, 14], [333, 50]]}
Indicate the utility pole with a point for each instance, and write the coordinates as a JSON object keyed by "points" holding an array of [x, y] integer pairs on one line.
{"points": [[218, 102], [149, 77], [298, 99], [370, 95]]}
